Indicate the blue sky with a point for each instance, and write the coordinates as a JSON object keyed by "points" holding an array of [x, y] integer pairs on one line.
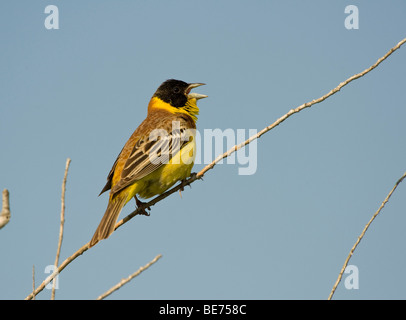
{"points": [[281, 233]]}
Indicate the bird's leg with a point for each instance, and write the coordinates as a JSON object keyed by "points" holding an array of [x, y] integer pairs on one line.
{"points": [[141, 206], [183, 182], [182, 185]]}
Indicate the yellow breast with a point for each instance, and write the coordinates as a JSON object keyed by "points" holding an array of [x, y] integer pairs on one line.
{"points": [[178, 168]]}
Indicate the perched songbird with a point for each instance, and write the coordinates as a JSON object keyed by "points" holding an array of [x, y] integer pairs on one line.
{"points": [[160, 152]]}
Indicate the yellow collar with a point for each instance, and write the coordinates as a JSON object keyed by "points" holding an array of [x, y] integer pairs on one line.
{"points": [[190, 108]]}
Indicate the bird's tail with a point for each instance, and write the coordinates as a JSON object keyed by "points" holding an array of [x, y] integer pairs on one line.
{"points": [[107, 223]]}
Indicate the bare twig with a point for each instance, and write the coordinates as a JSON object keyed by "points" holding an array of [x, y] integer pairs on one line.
{"points": [[129, 278], [33, 282], [58, 251], [210, 166], [300, 108], [62, 266], [362, 235], [5, 211]]}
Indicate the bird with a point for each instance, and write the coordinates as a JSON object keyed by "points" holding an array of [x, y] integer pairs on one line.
{"points": [[160, 152]]}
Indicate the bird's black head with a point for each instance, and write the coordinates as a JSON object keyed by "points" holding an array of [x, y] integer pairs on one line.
{"points": [[173, 92]]}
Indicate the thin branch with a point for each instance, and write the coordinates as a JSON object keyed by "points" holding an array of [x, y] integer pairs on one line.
{"points": [[129, 278], [5, 211], [58, 251], [210, 166], [33, 282], [62, 266], [362, 235], [300, 108]]}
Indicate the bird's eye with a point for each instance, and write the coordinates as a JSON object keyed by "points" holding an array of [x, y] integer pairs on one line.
{"points": [[176, 90]]}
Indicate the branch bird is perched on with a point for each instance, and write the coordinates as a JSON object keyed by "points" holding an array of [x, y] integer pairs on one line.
{"points": [[160, 152]]}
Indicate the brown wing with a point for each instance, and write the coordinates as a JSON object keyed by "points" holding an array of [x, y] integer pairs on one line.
{"points": [[153, 150]]}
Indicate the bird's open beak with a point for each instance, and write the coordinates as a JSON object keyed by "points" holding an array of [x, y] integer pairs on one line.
{"points": [[193, 95]]}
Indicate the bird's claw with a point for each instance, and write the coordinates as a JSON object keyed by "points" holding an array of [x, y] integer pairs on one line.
{"points": [[142, 208]]}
